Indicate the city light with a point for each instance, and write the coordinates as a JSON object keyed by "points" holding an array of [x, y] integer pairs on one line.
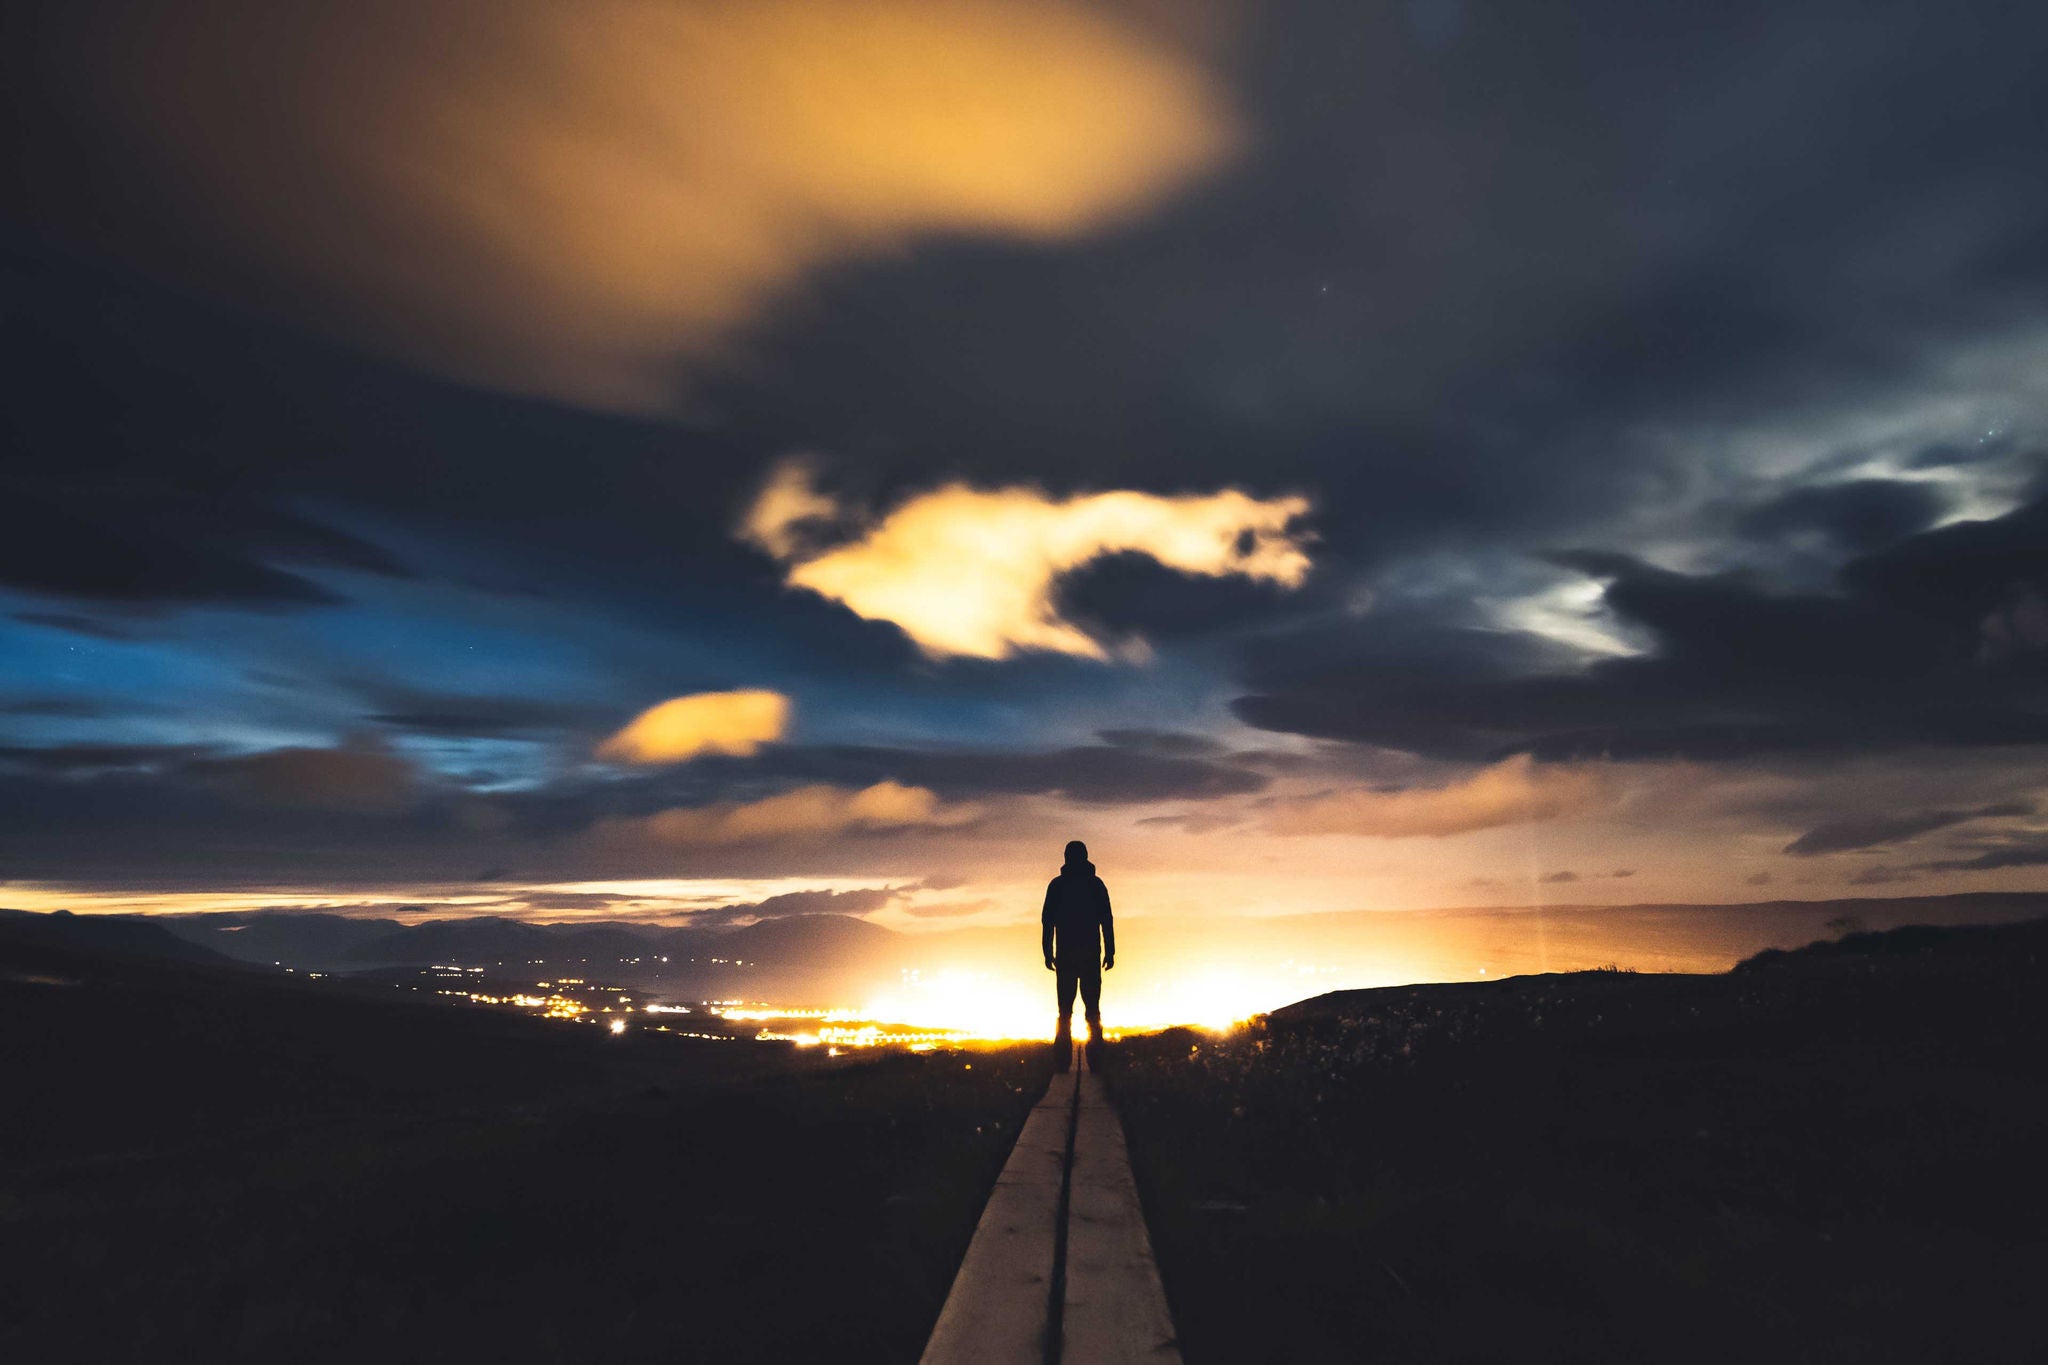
{"points": [[925, 1011]]}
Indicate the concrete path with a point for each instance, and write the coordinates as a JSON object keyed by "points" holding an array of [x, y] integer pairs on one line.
{"points": [[1060, 1268]]}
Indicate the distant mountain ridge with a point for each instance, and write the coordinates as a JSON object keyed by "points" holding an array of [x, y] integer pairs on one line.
{"points": [[478, 941], [339, 942], [287, 938], [104, 934], [492, 938], [799, 960]]}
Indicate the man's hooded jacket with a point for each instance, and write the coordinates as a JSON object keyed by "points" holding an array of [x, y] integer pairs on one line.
{"points": [[1077, 916]]}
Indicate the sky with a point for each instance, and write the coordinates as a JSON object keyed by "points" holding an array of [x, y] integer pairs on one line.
{"points": [[629, 459]]}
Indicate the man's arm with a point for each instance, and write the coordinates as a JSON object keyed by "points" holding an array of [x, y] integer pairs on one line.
{"points": [[1045, 932], [1108, 928]]}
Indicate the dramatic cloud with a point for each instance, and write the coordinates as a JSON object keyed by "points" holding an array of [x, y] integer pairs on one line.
{"points": [[1091, 774], [361, 778], [682, 728], [569, 198], [1930, 641], [806, 811], [146, 541], [467, 715], [970, 572], [1836, 836], [787, 502], [2024, 850], [793, 904], [1565, 875], [1509, 793], [1862, 514], [1172, 743], [80, 760]]}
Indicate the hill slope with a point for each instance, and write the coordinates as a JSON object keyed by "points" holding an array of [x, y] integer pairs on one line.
{"points": [[1831, 1154], [215, 1163], [101, 934]]}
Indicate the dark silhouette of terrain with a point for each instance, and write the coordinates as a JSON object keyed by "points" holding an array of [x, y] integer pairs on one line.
{"points": [[810, 958], [1830, 1154], [203, 1160], [290, 938], [102, 933], [337, 942], [489, 938]]}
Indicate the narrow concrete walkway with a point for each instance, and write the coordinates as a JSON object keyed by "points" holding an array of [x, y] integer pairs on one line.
{"points": [[1060, 1268], [1115, 1308]]}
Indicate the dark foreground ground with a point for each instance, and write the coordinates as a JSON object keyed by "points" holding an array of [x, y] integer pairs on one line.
{"points": [[1830, 1155], [201, 1164]]}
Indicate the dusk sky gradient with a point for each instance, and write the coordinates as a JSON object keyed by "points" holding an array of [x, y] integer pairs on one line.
{"points": [[1330, 457]]}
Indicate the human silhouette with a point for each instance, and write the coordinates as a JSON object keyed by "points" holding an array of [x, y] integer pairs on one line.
{"points": [[1079, 941]]}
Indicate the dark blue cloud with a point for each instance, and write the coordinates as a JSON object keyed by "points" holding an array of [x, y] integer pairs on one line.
{"points": [[1899, 656]]}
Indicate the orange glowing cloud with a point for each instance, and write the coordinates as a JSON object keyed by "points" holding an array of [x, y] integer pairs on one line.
{"points": [[787, 502], [683, 728], [970, 572], [571, 199], [805, 811], [1512, 792]]}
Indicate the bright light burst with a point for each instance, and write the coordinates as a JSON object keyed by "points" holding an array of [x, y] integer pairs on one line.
{"points": [[974, 1004], [1216, 998], [983, 1005]]}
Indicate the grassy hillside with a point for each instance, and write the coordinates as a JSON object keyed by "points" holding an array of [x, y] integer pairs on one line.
{"points": [[206, 1163], [1834, 1155]]}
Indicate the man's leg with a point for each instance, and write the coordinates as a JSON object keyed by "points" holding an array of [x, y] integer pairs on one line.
{"points": [[1091, 1003], [1064, 1039]]}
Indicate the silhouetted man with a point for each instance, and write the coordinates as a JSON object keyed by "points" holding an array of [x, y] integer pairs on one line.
{"points": [[1079, 940]]}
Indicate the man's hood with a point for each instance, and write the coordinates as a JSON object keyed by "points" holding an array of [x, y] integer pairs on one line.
{"points": [[1084, 868]]}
